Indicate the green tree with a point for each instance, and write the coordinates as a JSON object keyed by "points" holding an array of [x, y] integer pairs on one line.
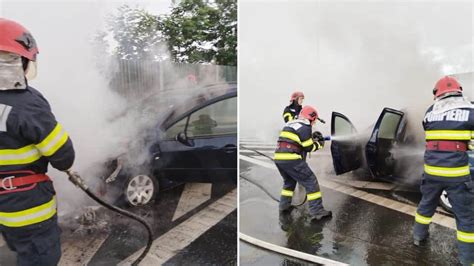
{"points": [[133, 33], [199, 31]]}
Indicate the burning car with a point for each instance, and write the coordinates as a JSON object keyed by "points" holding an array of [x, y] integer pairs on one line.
{"points": [[392, 151], [193, 141]]}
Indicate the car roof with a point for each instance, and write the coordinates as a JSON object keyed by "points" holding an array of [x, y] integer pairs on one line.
{"points": [[200, 97]]}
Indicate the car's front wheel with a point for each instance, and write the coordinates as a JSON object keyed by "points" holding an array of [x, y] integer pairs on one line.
{"points": [[140, 190], [444, 201]]}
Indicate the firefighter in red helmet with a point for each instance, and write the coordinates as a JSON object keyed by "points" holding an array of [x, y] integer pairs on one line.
{"points": [[448, 124], [30, 140], [292, 111], [295, 141]]}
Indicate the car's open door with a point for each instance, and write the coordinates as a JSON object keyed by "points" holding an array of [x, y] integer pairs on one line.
{"points": [[346, 150], [387, 131]]}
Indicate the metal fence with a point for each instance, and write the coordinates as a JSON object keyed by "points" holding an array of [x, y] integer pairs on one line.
{"points": [[141, 77]]}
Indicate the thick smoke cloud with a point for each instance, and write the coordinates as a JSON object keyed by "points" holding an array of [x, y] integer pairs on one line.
{"points": [[70, 79], [355, 57]]}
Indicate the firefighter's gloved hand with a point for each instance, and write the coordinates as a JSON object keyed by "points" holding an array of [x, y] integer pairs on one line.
{"points": [[319, 138]]}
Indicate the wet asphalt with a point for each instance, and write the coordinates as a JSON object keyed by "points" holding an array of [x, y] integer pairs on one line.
{"points": [[359, 233], [250, 255], [216, 246]]}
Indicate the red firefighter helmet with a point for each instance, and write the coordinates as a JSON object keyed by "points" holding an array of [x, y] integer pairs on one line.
{"points": [[309, 113], [445, 85], [295, 95], [16, 39]]}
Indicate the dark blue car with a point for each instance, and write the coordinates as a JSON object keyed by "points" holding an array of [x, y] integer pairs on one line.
{"points": [[393, 150], [195, 140]]}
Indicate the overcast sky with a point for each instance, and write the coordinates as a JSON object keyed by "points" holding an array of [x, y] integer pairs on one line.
{"points": [[355, 57]]}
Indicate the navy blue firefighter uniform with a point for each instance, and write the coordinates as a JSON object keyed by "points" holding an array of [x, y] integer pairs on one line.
{"points": [[449, 125], [30, 139], [291, 112], [294, 142]]}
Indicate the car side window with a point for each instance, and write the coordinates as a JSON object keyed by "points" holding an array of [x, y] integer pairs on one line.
{"points": [[175, 129], [388, 126], [342, 127], [219, 118]]}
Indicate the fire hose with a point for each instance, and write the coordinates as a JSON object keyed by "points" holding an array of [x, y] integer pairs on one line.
{"points": [[76, 179], [259, 185], [287, 251]]}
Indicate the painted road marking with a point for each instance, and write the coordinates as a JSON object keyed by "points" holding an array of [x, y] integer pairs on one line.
{"points": [[80, 250], [241, 140], [194, 194], [257, 161], [259, 147], [366, 184], [170, 243], [251, 153], [381, 201]]}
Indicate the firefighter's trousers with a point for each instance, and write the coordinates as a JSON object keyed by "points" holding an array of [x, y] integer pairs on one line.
{"points": [[299, 172], [461, 198], [39, 246]]}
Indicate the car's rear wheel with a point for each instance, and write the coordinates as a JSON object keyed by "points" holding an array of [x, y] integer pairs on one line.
{"points": [[444, 201], [140, 190]]}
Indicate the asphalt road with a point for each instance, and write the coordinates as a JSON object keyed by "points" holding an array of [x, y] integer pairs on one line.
{"points": [[192, 223], [371, 224]]}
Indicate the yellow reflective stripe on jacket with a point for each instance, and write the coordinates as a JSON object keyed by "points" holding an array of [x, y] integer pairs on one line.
{"points": [[307, 143], [290, 117], [30, 216], [24, 155], [287, 193], [448, 134], [53, 141], [316, 146], [447, 171], [422, 219], [314, 196], [287, 156], [290, 135], [465, 237]]}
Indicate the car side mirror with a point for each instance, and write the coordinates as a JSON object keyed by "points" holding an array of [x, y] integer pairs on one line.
{"points": [[182, 138]]}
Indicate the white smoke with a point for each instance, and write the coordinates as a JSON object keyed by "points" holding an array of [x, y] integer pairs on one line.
{"points": [[355, 57], [74, 75], [69, 78]]}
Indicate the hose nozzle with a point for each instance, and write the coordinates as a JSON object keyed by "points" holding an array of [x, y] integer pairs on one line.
{"points": [[76, 179], [321, 120], [327, 138]]}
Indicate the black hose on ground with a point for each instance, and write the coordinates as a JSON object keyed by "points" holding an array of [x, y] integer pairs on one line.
{"points": [[271, 196], [260, 186], [261, 153], [79, 182]]}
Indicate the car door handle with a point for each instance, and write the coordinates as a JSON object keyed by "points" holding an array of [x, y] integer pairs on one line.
{"points": [[230, 148]]}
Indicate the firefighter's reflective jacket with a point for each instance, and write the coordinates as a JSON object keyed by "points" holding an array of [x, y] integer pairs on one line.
{"points": [[295, 141], [30, 138], [291, 112], [448, 125]]}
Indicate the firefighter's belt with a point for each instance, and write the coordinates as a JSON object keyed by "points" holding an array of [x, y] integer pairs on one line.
{"points": [[446, 145]]}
